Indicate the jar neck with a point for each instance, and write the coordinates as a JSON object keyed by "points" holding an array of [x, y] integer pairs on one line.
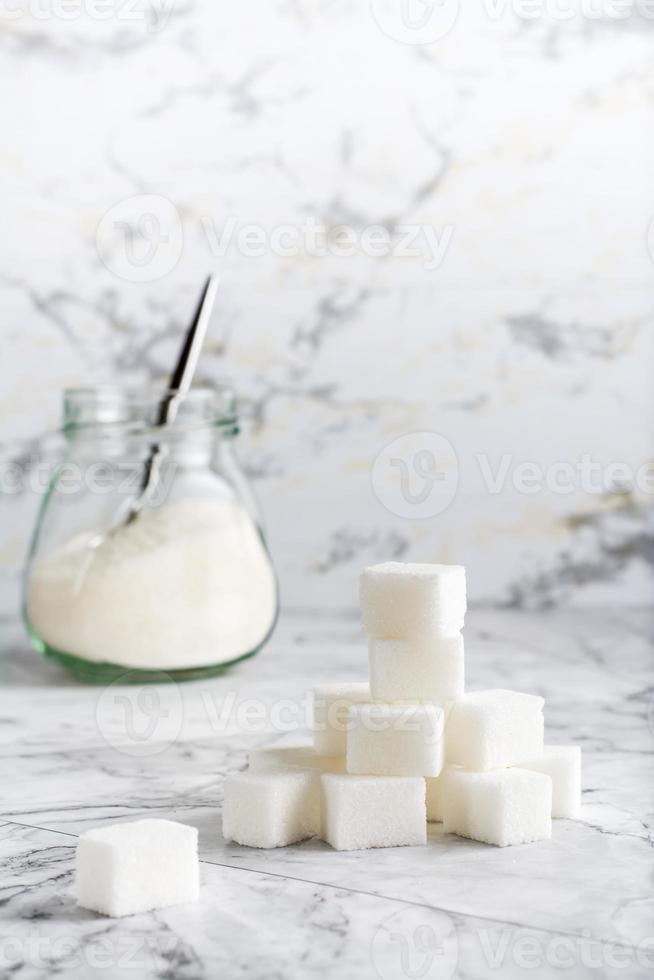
{"points": [[113, 418], [112, 405], [192, 445]]}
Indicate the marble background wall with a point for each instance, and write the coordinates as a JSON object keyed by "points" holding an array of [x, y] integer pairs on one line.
{"points": [[483, 301]]}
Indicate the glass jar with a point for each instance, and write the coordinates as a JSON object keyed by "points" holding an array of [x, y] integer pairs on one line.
{"points": [[184, 589]]}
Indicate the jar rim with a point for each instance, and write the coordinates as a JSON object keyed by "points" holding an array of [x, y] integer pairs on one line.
{"points": [[137, 406]]}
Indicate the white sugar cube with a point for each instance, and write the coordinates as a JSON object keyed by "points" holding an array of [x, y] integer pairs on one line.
{"points": [[395, 739], [293, 757], [417, 670], [562, 763], [505, 806], [271, 809], [373, 811], [435, 792], [434, 798], [492, 729], [331, 703], [137, 866], [410, 601]]}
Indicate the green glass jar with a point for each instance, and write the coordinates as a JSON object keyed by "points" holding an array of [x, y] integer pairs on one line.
{"points": [[185, 589]]}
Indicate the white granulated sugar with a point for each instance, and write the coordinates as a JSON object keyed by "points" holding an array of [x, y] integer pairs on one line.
{"points": [[186, 585]]}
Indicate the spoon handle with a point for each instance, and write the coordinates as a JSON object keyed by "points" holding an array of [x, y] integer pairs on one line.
{"points": [[184, 370], [178, 386]]}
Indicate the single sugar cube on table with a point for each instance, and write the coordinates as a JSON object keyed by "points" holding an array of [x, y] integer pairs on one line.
{"points": [[562, 763], [395, 739], [137, 866], [373, 811], [417, 670], [272, 809], [502, 807], [410, 601], [293, 757], [331, 703], [493, 729]]}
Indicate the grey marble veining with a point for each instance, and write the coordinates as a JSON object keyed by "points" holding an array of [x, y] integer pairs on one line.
{"points": [[515, 139], [578, 906], [259, 925]]}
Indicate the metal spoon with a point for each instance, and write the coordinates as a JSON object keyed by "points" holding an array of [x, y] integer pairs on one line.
{"points": [[178, 386]]}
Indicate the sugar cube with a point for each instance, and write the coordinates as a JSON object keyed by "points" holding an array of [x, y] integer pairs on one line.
{"points": [[293, 757], [272, 809], [435, 791], [395, 739], [416, 670], [137, 866], [331, 703], [562, 763], [434, 798], [373, 811], [404, 600], [505, 806], [492, 729]]}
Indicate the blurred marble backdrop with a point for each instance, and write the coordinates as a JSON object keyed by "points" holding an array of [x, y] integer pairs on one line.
{"points": [[461, 371]]}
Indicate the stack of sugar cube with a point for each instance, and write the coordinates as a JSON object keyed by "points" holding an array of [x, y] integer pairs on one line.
{"points": [[409, 747]]}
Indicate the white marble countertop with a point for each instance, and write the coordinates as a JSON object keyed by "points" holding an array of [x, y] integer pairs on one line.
{"points": [[579, 905]]}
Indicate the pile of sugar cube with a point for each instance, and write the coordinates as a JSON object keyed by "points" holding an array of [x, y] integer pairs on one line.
{"points": [[410, 747], [387, 757]]}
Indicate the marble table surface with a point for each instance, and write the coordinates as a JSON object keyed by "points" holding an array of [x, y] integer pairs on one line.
{"points": [[579, 905]]}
